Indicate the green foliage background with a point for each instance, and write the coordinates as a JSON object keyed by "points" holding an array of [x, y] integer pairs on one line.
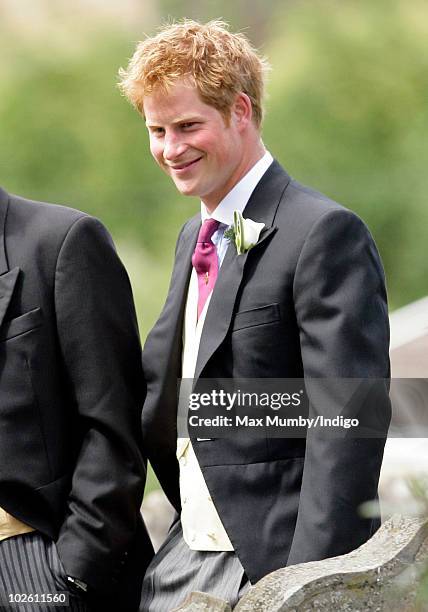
{"points": [[346, 114]]}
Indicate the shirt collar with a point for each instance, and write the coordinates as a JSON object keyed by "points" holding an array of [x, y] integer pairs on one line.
{"points": [[238, 197]]}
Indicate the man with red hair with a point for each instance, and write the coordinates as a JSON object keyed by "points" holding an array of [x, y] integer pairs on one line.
{"points": [[304, 296]]}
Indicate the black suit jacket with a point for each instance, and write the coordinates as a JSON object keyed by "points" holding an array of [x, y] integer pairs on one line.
{"points": [[307, 301], [71, 390]]}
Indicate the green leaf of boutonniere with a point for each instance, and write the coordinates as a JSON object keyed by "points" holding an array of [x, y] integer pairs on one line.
{"points": [[244, 232], [230, 233]]}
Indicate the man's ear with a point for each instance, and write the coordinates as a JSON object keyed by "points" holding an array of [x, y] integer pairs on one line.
{"points": [[242, 110]]}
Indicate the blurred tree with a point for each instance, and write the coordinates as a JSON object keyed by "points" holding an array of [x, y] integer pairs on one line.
{"points": [[254, 17], [348, 115], [68, 137]]}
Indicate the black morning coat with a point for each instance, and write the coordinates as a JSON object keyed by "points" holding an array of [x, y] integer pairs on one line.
{"points": [[71, 393], [307, 301]]}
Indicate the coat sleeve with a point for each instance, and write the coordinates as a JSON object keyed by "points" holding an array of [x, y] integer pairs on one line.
{"points": [[99, 343], [341, 311]]}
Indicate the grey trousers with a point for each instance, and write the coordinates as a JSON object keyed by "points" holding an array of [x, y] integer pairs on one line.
{"points": [[176, 571], [30, 565]]}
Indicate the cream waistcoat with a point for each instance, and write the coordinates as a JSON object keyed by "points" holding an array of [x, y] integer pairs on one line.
{"points": [[202, 527]]}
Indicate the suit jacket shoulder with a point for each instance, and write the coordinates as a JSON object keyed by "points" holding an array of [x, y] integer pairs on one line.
{"points": [[309, 205], [45, 220], [36, 230]]}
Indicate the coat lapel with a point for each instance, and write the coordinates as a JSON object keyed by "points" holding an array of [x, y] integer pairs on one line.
{"points": [[8, 277], [163, 348], [183, 267], [162, 366], [261, 207]]}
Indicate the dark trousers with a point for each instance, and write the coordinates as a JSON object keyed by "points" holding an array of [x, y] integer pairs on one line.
{"points": [[176, 571], [30, 569]]}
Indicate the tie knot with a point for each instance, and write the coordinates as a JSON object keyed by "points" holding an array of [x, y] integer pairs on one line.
{"points": [[208, 227]]}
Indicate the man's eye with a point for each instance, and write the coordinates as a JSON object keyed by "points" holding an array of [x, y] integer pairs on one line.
{"points": [[158, 131], [188, 124]]}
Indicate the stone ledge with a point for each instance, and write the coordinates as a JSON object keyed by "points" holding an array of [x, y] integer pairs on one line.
{"points": [[202, 602], [380, 575]]}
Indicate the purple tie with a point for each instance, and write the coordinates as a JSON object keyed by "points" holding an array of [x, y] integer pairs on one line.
{"points": [[205, 261]]}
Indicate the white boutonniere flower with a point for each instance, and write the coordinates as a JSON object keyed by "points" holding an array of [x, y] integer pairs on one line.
{"points": [[244, 232]]}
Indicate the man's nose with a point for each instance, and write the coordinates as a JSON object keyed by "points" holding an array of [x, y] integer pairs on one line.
{"points": [[173, 147]]}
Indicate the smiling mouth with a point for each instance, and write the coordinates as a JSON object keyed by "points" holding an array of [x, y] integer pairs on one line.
{"points": [[186, 165]]}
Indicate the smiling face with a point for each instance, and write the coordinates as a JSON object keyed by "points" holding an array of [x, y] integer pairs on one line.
{"points": [[192, 143]]}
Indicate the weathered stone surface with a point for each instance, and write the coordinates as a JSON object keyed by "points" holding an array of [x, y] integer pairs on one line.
{"points": [[380, 575], [201, 602]]}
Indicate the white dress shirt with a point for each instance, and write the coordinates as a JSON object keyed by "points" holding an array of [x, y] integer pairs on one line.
{"points": [[202, 527]]}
